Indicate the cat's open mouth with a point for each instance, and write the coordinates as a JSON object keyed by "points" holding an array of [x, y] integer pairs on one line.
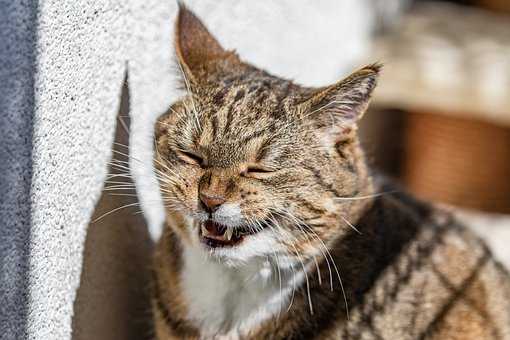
{"points": [[216, 235]]}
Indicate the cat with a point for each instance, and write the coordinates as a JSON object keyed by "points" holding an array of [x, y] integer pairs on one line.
{"points": [[277, 229]]}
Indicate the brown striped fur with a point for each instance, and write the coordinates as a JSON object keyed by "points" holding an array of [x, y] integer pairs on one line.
{"points": [[408, 270]]}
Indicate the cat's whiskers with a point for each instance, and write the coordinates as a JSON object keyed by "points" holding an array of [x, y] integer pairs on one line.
{"points": [[130, 158], [118, 194], [349, 224], [164, 199], [190, 93], [336, 270], [158, 172], [119, 175], [116, 166], [117, 185], [119, 188], [285, 234], [311, 243], [167, 180], [285, 214], [279, 281], [306, 278], [165, 167], [293, 277], [277, 265], [305, 272], [331, 258], [168, 191], [179, 114], [364, 197], [115, 210], [300, 258], [196, 123]]}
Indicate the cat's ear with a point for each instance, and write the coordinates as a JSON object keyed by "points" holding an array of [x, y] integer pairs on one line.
{"points": [[197, 49], [341, 105]]}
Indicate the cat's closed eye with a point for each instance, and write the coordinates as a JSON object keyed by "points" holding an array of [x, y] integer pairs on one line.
{"points": [[190, 157], [257, 171]]}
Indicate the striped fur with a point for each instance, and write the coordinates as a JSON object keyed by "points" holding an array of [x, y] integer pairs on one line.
{"points": [[336, 259]]}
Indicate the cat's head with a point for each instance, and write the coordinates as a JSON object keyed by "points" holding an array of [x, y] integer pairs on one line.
{"points": [[252, 165]]}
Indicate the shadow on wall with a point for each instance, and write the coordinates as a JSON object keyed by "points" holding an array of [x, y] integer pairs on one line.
{"points": [[17, 106], [113, 301]]}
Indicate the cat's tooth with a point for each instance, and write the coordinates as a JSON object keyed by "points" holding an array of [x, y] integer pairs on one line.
{"points": [[204, 230], [229, 232]]}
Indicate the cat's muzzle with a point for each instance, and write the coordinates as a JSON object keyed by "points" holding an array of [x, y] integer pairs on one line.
{"points": [[216, 235]]}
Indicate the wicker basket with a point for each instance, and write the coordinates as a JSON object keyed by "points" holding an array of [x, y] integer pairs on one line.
{"points": [[456, 161]]}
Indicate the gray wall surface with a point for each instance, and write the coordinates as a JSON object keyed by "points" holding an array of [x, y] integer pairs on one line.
{"points": [[17, 69]]}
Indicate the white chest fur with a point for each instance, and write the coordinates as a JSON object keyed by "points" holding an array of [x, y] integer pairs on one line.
{"points": [[232, 300]]}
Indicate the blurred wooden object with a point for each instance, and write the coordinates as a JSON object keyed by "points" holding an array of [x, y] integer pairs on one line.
{"points": [[457, 161], [381, 137], [496, 5], [449, 65]]}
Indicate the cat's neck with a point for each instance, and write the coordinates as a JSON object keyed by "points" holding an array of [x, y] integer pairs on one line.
{"points": [[234, 300]]}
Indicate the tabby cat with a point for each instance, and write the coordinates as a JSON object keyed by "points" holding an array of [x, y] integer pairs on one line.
{"points": [[276, 229]]}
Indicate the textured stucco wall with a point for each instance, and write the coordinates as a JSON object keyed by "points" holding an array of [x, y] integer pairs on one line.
{"points": [[17, 42], [83, 49], [62, 64]]}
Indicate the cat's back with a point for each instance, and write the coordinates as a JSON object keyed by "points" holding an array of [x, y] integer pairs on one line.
{"points": [[440, 280]]}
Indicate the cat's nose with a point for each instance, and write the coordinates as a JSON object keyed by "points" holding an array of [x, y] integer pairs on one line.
{"points": [[212, 202]]}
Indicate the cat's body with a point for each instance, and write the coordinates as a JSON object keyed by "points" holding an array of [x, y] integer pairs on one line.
{"points": [[412, 274], [276, 230]]}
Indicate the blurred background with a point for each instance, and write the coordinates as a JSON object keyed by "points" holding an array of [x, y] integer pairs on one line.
{"points": [[440, 119]]}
